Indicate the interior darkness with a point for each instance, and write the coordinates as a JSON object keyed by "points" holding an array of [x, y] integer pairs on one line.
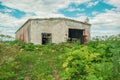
{"points": [[76, 33], [46, 38]]}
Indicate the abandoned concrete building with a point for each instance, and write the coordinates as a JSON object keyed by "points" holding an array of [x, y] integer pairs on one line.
{"points": [[53, 30]]}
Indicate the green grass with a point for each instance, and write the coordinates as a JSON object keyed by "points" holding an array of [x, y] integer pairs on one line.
{"points": [[98, 60]]}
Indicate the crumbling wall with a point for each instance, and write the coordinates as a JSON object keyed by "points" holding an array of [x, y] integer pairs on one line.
{"points": [[22, 33], [57, 28]]}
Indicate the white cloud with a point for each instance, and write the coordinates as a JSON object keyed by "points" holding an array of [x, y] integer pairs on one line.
{"points": [[40, 5], [77, 1], [42, 8], [14, 23], [48, 8], [90, 4], [71, 9], [7, 31], [34, 6], [113, 2], [6, 10], [81, 17], [7, 20], [94, 13], [40, 14], [104, 32], [9, 24], [108, 19]]}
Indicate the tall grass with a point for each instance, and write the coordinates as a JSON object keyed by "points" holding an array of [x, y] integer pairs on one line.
{"points": [[98, 60]]}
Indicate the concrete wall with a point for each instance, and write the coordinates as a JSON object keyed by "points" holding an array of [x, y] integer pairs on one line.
{"points": [[79, 25], [22, 33], [57, 27]]}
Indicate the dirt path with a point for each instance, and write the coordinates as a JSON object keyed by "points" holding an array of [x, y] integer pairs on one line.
{"points": [[55, 73]]}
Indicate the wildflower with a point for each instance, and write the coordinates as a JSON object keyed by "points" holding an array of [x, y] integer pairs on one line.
{"points": [[21, 50], [65, 64]]}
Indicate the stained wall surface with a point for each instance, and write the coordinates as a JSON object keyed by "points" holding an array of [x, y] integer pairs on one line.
{"points": [[23, 33], [58, 27]]}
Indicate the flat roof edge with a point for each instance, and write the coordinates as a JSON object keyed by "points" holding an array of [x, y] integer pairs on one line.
{"points": [[61, 19], [52, 19], [23, 25]]}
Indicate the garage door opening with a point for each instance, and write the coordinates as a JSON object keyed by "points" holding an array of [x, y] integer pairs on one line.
{"points": [[46, 38], [76, 35]]}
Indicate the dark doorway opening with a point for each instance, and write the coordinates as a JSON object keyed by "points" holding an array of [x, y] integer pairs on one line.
{"points": [[76, 35], [46, 38]]}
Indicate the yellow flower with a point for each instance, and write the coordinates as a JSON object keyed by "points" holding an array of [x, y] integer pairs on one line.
{"points": [[67, 69], [87, 68], [65, 64], [21, 50], [69, 58], [41, 54], [94, 55], [36, 48], [53, 51]]}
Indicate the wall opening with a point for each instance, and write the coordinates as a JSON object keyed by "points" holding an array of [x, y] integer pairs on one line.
{"points": [[76, 35], [46, 38]]}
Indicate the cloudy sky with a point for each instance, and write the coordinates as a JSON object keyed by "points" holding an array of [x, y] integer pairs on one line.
{"points": [[104, 15]]}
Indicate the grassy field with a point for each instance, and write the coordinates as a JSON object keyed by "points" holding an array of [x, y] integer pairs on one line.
{"points": [[98, 60]]}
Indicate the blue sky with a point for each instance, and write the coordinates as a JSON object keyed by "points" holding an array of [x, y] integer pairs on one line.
{"points": [[104, 15]]}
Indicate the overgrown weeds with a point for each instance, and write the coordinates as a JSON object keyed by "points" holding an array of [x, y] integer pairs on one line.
{"points": [[98, 60]]}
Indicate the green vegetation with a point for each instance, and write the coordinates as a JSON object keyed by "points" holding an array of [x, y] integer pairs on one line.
{"points": [[5, 38], [98, 60]]}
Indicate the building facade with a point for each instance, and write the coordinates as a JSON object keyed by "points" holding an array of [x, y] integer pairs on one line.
{"points": [[53, 30]]}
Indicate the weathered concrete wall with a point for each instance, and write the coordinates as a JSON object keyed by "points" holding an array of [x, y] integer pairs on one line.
{"points": [[79, 25], [22, 33], [32, 30], [57, 27]]}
